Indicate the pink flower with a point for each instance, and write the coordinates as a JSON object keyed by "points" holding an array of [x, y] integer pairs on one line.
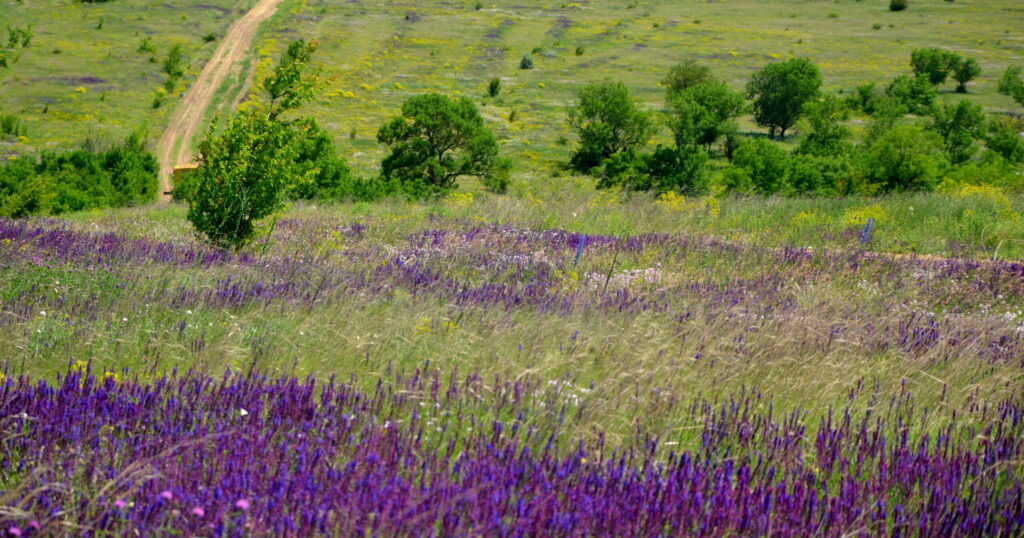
{"points": [[34, 525], [166, 495], [197, 511], [242, 504], [14, 531], [120, 503]]}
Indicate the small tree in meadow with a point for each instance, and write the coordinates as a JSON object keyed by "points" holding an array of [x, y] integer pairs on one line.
{"points": [[436, 140], [779, 92], [897, 5], [966, 70], [1012, 84], [933, 64], [684, 76], [608, 121], [244, 171]]}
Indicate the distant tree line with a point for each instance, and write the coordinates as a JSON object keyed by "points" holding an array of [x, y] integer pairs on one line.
{"points": [[911, 142]]}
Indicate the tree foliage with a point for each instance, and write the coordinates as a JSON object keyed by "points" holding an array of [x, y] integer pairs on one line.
{"points": [[765, 165], [905, 158], [779, 92], [966, 70], [1012, 84], [959, 125], [933, 64], [244, 171], [701, 114], [915, 94], [436, 140], [684, 76], [825, 134], [608, 121]]}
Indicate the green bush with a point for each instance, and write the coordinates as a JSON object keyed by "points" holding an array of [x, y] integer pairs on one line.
{"points": [[766, 164], [905, 158], [898, 5], [494, 87], [92, 178], [526, 62], [915, 94], [667, 169]]}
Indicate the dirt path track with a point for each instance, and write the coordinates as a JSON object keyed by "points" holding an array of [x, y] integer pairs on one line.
{"points": [[174, 147]]}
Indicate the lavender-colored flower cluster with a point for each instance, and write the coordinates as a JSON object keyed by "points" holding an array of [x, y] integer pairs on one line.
{"points": [[420, 455]]}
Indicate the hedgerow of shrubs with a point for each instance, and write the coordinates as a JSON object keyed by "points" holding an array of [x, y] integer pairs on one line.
{"points": [[87, 178]]}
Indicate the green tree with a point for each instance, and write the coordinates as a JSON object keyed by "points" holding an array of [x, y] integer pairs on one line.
{"points": [[959, 125], [765, 163], [915, 94], [701, 114], [965, 70], [933, 64], [825, 134], [684, 76], [319, 173], [1004, 140], [1012, 84], [608, 121], [905, 158], [779, 92], [245, 170], [436, 140]]}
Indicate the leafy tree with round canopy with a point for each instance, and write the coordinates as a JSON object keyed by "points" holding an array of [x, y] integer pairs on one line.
{"points": [[436, 140], [933, 64], [905, 158], [966, 70], [779, 92], [608, 121], [701, 113], [684, 76], [1012, 84]]}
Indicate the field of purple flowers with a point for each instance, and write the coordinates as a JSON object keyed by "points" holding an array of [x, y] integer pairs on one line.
{"points": [[446, 376]]}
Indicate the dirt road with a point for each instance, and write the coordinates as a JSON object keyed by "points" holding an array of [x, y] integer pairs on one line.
{"points": [[174, 147]]}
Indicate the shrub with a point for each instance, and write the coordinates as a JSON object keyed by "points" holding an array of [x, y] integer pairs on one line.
{"points": [[666, 170], [821, 175], [824, 134], [1005, 141], [88, 178], [684, 76], [765, 163], [779, 92], [898, 5], [494, 87], [905, 158], [10, 124], [916, 95], [436, 140], [608, 121], [526, 62], [960, 125]]}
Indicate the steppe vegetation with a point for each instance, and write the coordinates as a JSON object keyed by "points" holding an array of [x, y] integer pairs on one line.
{"points": [[592, 268]]}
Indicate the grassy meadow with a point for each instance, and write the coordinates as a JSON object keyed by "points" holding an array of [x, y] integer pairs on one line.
{"points": [[558, 360]]}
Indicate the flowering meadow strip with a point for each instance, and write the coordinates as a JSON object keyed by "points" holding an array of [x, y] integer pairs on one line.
{"points": [[423, 454], [942, 308]]}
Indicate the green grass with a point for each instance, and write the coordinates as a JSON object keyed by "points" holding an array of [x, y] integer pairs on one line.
{"points": [[76, 81]]}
